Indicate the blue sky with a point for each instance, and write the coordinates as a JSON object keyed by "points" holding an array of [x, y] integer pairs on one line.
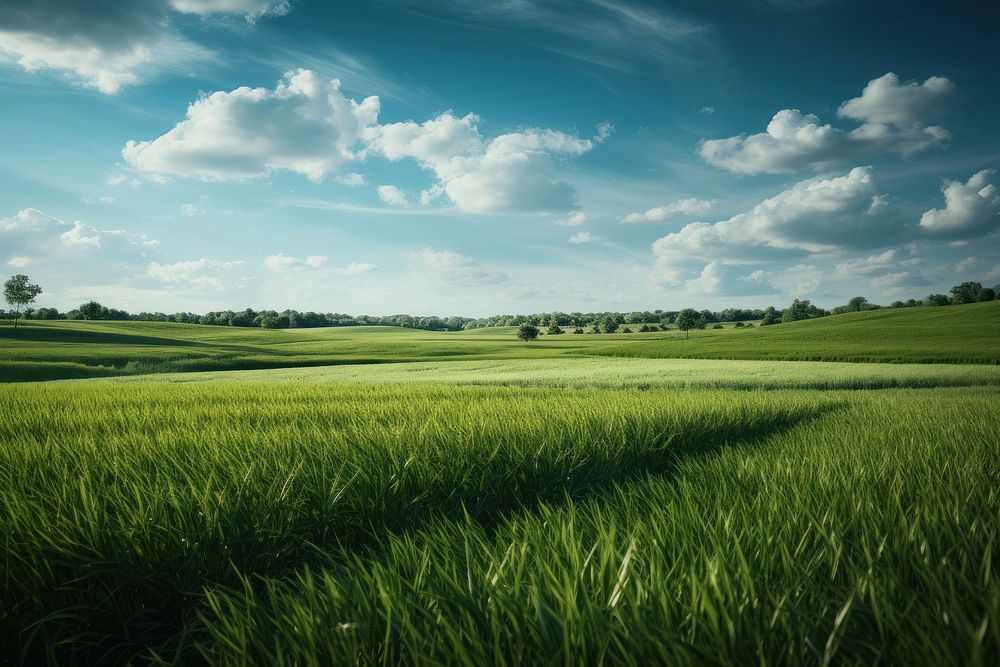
{"points": [[454, 157]]}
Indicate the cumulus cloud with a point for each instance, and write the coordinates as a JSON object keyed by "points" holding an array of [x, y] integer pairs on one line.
{"points": [[209, 274], [893, 117], [315, 264], [816, 215], [392, 195], [19, 262], [574, 219], [510, 172], [582, 237], [966, 264], [107, 44], [352, 179], [866, 265], [281, 262], [355, 268], [454, 268], [305, 125], [33, 229], [690, 206], [971, 208]]}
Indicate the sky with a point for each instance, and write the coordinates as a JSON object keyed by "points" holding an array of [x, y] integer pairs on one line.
{"points": [[453, 157]]}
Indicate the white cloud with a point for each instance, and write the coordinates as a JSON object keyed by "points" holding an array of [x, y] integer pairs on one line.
{"points": [[201, 273], [190, 210], [281, 263], [81, 236], [971, 208], [33, 230], [582, 237], [798, 281], [574, 219], [352, 179], [892, 117], [251, 9], [355, 268], [19, 262], [316, 264], [108, 45], [866, 265], [707, 282], [392, 195], [706, 109], [815, 215], [890, 279], [690, 206], [305, 125], [510, 172], [966, 264], [452, 267]]}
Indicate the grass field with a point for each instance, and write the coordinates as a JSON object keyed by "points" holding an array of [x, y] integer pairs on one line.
{"points": [[474, 500], [77, 349]]}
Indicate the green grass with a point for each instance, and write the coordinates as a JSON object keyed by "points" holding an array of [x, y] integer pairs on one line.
{"points": [[619, 373], [385, 496], [72, 349], [65, 349], [318, 523], [955, 334]]}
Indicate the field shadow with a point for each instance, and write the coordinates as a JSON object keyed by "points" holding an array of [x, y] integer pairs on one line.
{"points": [[113, 611]]}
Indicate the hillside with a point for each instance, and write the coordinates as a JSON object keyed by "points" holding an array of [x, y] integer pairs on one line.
{"points": [[78, 349], [953, 334]]}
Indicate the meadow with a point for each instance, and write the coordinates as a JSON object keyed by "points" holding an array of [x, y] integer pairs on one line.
{"points": [[47, 350], [503, 503]]}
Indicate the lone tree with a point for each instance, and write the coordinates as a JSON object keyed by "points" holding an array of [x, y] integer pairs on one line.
{"points": [[527, 332], [19, 292], [688, 319]]}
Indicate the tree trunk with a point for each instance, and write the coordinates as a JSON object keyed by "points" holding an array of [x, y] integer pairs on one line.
{"points": [[17, 314]]}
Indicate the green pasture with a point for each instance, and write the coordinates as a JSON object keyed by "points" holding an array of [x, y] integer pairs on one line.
{"points": [[315, 522], [45, 350]]}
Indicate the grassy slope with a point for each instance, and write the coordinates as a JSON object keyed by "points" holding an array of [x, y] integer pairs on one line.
{"points": [[956, 334], [50, 350], [618, 373], [240, 522]]}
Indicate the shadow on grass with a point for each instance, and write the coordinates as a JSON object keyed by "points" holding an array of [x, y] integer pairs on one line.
{"points": [[106, 610]]}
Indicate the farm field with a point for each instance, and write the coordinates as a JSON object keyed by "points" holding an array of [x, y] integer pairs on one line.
{"points": [[473, 499], [238, 522], [43, 350]]}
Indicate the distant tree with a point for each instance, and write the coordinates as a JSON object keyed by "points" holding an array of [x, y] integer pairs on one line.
{"points": [[555, 329], [770, 316], [626, 330], [92, 311], [19, 291], [967, 292], [644, 328], [653, 327], [688, 319], [739, 325], [801, 310], [936, 300], [527, 332], [269, 321], [987, 294], [666, 322], [609, 324], [855, 305], [717, 325], [749, 325], [578, 330]]}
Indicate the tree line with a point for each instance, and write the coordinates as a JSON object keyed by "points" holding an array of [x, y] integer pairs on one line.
{"points": [[19, 292]]}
